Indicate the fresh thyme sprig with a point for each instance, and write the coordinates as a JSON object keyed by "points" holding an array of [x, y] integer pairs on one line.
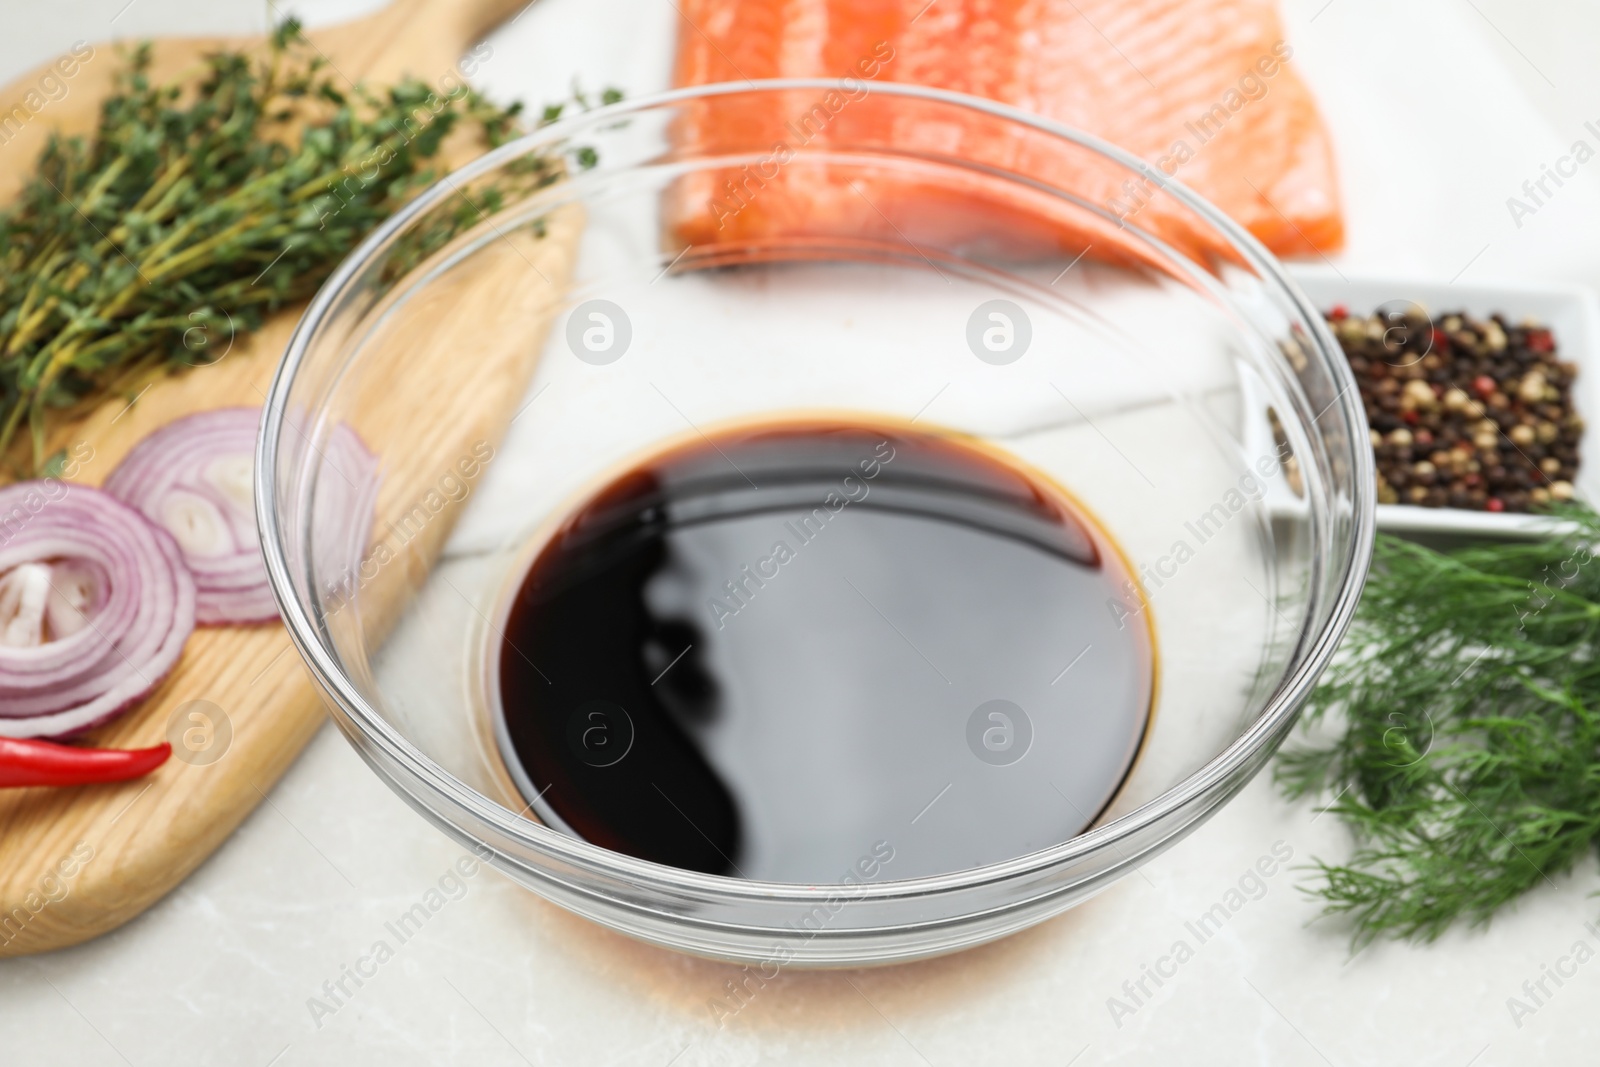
{"points": [[191, 214], [1465, 753]]}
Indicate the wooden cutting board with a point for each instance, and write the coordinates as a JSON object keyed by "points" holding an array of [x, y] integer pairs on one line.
{"points": [[75, 863]]}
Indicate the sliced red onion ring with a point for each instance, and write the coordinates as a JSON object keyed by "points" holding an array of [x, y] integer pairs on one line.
{"points": [[192, 477], [344, 504], [95, 607]]}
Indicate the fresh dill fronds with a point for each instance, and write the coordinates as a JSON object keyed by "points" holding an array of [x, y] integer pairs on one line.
{"points": [[1464, 711]]}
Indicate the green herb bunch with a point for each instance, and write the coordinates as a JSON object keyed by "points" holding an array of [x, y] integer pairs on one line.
{"points": [[190, 214], [1464, 716]]}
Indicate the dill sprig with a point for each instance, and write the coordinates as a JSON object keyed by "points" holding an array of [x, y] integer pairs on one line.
{"points": [[1465, 741], [193, 212]]}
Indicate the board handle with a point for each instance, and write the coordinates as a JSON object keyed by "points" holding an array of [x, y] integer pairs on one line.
{"points": [[460, 22]]}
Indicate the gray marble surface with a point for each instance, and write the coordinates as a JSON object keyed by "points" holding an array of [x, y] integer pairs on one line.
{"points": [[1440, 111]]}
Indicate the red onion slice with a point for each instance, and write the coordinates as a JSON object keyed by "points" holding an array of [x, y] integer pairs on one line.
{"points": [[192, 478], [24, 596], [344, 504], [95, 607]]}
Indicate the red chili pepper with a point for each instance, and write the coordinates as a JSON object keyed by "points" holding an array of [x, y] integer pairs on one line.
{"points": [[24, 763], [1339, 313]]}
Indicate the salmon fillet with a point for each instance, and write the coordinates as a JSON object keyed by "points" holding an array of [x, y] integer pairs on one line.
{"points": [[1202, 89]]}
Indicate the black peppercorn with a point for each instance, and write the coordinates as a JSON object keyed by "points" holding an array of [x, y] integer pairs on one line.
{"points": [[1466, 412]]}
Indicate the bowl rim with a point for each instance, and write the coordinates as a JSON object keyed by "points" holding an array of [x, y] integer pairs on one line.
{"points": [[453, 793]]}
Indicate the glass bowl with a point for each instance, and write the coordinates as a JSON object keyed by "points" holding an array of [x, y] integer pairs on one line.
{"points": [[645, 272]]}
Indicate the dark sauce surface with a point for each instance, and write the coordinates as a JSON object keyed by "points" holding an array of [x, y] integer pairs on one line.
{"points": [[791, 650]]}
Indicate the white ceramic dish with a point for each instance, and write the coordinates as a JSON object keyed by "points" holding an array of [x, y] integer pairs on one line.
{"points": [[1571, 312]]}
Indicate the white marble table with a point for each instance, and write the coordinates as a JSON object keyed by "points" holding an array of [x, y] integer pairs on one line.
{"points": [[1441, 110]]}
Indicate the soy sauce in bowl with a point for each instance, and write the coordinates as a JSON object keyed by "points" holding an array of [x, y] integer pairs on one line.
{"points": [[797, 649]]}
